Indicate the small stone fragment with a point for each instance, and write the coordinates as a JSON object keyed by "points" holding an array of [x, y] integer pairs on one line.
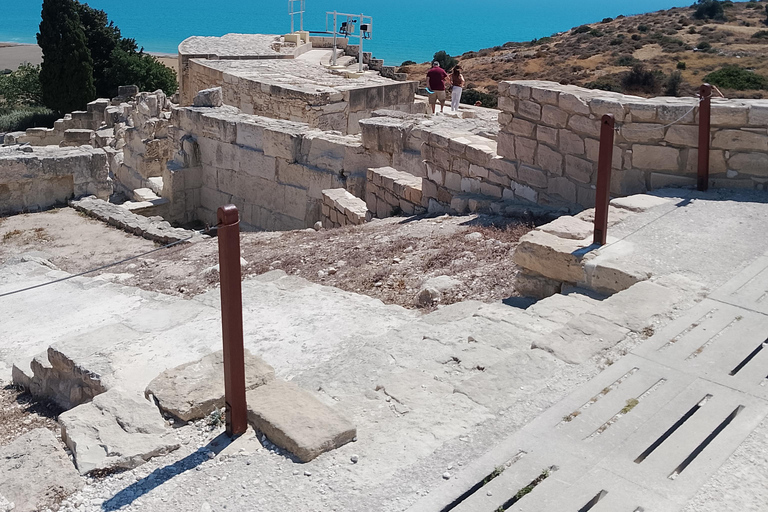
{"points": [[354, 459]]}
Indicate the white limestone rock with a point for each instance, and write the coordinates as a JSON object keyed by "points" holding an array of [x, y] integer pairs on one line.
{"points": [[209, 98], [115, 430]]}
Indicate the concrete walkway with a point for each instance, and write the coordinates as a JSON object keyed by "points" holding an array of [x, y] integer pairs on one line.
{"points": [[581, 388]]}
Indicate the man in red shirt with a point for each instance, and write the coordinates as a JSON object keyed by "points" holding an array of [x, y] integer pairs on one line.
{"points": [[436, 82]]}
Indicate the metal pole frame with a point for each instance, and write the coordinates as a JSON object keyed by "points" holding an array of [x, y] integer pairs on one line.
{"points": [[360, 34], [232, 319], [702, 175], [602, 196]]}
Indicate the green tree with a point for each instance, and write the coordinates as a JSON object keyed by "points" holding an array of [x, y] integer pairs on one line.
{"points": [[102, 37], [142, 70], [709, 9], [21, 87], [66, 75], [446, 61]]}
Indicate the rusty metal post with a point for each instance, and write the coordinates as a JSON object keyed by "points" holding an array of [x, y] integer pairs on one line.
{"points": [[705, 93], [232, 319], [602, 196]]}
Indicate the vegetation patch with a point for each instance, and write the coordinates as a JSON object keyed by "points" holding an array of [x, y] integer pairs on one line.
{"points": [[737, 78]]}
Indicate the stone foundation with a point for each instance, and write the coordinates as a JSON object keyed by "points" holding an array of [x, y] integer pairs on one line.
{"points": [[340, 208]]}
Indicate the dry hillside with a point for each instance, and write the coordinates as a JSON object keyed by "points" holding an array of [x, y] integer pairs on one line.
{"points": [[602, 54]]}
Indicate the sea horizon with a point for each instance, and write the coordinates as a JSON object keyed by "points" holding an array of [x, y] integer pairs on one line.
{"points": [[402, 30]]}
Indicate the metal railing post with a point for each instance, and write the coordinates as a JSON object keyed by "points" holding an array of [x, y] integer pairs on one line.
{"points": [[360, 66], [602, 195], [232, 319], [705, 93]]}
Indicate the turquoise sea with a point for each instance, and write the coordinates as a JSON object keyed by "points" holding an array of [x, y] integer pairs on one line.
{"points": [[402, 29]]}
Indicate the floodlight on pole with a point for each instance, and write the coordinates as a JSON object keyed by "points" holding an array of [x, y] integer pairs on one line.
{"points": [[347, 29]]}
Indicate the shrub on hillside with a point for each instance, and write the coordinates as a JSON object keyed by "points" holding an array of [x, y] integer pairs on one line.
{"points": [[703, 45], [583, 29], [672, 87], [446, 61], [626, 60], [605, 83], [709, 9], [760, 34], [642, 79], [471, 96], [735, 77], [681, 65], [407, 63], [21, 87]]}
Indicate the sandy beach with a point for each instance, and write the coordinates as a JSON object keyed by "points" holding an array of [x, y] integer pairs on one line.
{"points": [[14, 54]]}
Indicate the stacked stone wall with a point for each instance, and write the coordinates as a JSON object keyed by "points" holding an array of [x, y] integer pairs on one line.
{"points": [[274, 171], [389, 191], [340, 208], [553, 132], [325, 108], [33, 178]]}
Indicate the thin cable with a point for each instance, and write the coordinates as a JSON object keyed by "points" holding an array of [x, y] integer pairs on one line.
{"points": [[666, 125], [108, 265]]}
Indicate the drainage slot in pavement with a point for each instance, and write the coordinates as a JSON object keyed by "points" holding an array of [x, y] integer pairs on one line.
{"points": [[594, 399], [707, 316], [493, 474], [591, 503], [527, 489], [695, 453], [749, 358], [715, 337], [671, 430], [630, 404]]}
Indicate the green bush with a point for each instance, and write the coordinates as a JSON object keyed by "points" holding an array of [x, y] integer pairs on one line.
{"points": [[21, 87], [642, 28], [446, 61], [709, 9], [607, 20], [19, 119], [407, 63], [681, 65], [626, 60], [472, 96], [604, 83], [672, 87], [734, 77], [642, 79], [760, 34], [596, 33], [703, 45], [636, 37], [583, 29], [142, 70]]}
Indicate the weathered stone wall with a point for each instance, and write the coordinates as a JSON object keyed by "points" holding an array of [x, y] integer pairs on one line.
{"points": [[32, 178], [274, 171], [389, 191], [553, 131], [326, 107], [340, 208]]}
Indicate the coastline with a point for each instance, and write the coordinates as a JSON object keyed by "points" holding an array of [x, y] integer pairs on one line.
{"points": [[12, 55]]}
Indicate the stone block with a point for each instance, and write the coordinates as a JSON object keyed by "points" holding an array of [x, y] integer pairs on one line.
{"points": [[471, 186], [660, 180], [627, 182], [571, 143], [545, 95], [481, 152], [529, 110], [476, 171], [740, 140], [212, 97], [749, 163], [115, 430], [573, 104], [525, 192], [505, 167], [506, 145], [641, 112], [758, 114], [602, 106], [194, 390], [491, 190], [525, 149], [569, 227], [722, 114], [35, 472], [657, 158], [676, 112], [554, 117], [551, 256], [584, 125], [683, 135], [579, 169], [250, 134], [642, 132], [283, 143], [537, 286], [563, 188], [297, 421], [532, 176], [639, 202], [547, 135], [521, 127], [453, 181], [581, 338]]}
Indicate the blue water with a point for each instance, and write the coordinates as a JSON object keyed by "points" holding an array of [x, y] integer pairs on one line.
{"points": [[403, 29]]}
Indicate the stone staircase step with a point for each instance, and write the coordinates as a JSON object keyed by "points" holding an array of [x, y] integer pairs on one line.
{"points": [[144, 195]]}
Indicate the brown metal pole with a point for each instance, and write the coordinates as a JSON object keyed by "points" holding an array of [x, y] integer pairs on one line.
{"points": [[705, 93], [232, 319], [602, 197]]}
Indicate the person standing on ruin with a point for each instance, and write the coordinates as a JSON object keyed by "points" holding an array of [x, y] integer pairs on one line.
{"points": [[457, 80], [436, 82]]}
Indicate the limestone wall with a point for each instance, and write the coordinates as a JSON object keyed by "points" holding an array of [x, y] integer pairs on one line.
{"points": [[315, 97], [552, 131], [32, 178], [274, 171], [340, 208], [389, 192]]}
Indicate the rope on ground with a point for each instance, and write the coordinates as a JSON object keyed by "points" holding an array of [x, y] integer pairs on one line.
{"points": [[113, 264]]}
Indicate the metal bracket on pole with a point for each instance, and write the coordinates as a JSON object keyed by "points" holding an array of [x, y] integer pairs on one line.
{"points": [[602, 195], [705, 93], [232, 319]]}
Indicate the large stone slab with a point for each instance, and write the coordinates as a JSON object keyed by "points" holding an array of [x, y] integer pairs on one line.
{"points": [[35, 471], [581, 338], [193, 390], [551, 256], [115, 430], [297, 421]]}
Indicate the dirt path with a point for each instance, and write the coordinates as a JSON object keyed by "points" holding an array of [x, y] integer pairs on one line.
{"points": [[389, 260]]}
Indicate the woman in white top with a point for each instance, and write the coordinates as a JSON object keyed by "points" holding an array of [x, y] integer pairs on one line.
{"points": [[457, 80]]}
